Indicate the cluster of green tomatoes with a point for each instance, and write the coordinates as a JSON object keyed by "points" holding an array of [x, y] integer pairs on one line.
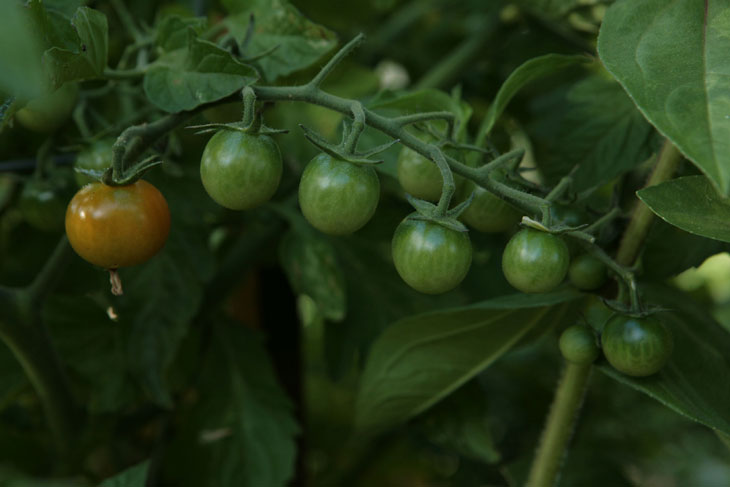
{"points": [[119, 226]]}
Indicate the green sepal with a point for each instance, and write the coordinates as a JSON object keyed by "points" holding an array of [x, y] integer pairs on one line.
{"points": [[427, 211], [133, 174], [92, 173], [237, 126], [457, 210], [625, 309], [338, 152]]}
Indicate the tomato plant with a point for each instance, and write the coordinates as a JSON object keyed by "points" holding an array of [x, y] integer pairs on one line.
{"points": [[338, 197], [431, 258], [239, 170], [363, 320], [535, 261], [117, 226]]}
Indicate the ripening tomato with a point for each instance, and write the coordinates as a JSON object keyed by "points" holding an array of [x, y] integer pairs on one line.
{"points": [[117, 226]]}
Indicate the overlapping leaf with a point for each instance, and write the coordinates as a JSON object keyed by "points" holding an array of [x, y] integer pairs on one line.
{"points": [[673, 59], [419, 360], [692, 204]]}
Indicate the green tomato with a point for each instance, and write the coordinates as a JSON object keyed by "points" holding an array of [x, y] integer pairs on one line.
{"points": [[240, 171], [578, 345], [43, 202], [636, 346], [338, 197], [489, 213], [535, 261], [429, 257], [420, 177], [586, 272], [47, 113], [96, 157]]}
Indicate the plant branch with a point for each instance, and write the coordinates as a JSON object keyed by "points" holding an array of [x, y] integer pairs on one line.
{"points": [[642, 216], [51, 272], [559, 425], [335, 60]]}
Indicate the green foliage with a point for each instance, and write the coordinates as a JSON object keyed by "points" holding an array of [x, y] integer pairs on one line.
{"points": [[257, 351], [669, 58]]}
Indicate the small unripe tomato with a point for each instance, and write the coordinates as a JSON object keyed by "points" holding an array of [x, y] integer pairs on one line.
{"points": [[43, 202], [117, 226], [578, 345], [47, 113], [338, 197], [421, 177], [489, 213], [586, 272], [429, 257], [97, 157], [636, 346], [240, 171], [535, 261]]}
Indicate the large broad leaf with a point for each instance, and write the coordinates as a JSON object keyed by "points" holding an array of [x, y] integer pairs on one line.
{"points": [[528, 72], [94, 348], [595, 127], [240, 430], [696, 380], [297, 42], [420, 360], [81, 51], [20, 52], [692, 204], [135, 476], [673, 59], [200, 73]]}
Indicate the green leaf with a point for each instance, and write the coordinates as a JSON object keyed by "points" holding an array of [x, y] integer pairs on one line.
{"points": [[135, 476], [528, 72], [241, 429], [597, 128], [696, 381], [311, 265], [421, 359], [298, 42], [201, 73], [20, 53], [692, 204], [172, 32], [93, 346], [672, 58], [86, 58]]}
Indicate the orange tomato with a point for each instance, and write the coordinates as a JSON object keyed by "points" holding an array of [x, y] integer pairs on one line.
{"points": [[117, 226]]}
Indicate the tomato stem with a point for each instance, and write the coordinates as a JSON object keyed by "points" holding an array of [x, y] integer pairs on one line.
{"points": [[642, 216], [559, 425], [116, 282]]}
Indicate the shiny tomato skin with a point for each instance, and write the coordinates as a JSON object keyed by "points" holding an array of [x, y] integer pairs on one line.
{"points": [[421, 177], [535, 261], [638, 347], [240, 171], [338, 197], [429, 257], [117, 226], [489, 213]]}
